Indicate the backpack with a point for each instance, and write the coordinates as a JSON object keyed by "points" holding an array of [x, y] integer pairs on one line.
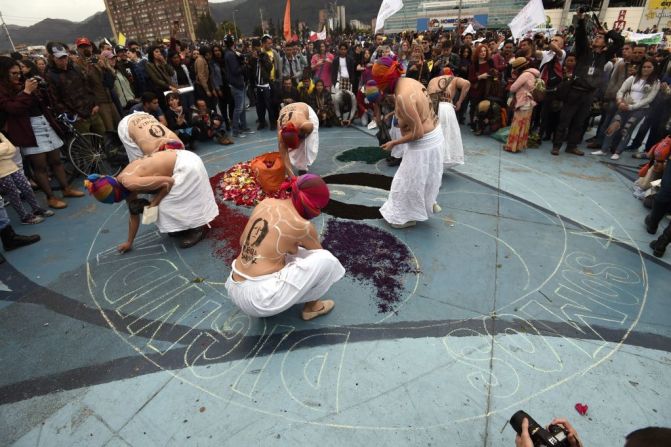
{"points": [[538, 92]]}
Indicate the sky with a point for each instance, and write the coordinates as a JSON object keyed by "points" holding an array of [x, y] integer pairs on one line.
{"points": [[29, 12]]}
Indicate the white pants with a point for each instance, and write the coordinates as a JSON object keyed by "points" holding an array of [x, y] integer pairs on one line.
{"points": [[307, 276]]}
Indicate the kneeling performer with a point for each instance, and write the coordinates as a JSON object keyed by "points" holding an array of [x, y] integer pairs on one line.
{"points": [[181, 191], [282, 262]]}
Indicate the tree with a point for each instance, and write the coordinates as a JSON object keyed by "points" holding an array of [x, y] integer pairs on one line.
{"points": [[226, 27], [206, 27]]}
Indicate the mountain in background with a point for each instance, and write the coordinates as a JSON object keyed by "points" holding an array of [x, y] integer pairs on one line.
{"points": [[247, 17], [95, 28], [247, 14]]}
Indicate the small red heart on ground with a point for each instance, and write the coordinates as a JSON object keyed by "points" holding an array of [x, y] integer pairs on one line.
{"points": [[581, 409]]}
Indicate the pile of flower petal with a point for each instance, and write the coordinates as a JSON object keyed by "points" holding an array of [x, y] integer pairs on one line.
{"points": [[239, 185]]}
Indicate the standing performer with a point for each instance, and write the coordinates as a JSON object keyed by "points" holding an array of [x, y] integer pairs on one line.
{"points": [[181, 191], [442, 90], [414, 189], [282, 262], [298, 136]]}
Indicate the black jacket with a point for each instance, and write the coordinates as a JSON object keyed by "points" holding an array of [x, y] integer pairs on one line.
{"points": [[335, 68], [586, 58]]}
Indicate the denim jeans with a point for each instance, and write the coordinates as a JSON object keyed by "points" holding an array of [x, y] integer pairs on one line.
{"points": [[239, 115], [628, 121]]}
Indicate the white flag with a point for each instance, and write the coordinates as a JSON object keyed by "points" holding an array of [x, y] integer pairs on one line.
{"points": [[387, 9], [532, 15], [469, 30]]}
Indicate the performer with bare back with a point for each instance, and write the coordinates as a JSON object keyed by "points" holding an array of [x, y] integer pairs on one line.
{"points": [[442, 90], [414, 189], [282, 262], [181, 191], [298, 136]]}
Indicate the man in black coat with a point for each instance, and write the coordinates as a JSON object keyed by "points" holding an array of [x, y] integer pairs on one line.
{"points": [[343, 69]]}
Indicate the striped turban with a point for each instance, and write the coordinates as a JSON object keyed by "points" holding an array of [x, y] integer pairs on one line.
{"points": [[309, 194], [105, 188]]}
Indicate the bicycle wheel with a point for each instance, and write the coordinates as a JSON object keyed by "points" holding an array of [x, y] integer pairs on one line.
{"points": [[88, 156]]}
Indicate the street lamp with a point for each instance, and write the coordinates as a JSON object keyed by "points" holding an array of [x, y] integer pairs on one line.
{"points": [[235, 27]]}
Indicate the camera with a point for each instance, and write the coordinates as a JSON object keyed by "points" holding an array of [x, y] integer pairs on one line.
{"points": [[94, 59], [554, 436], [41, 83]]}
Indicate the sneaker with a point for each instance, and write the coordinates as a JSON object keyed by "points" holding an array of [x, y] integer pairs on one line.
{"points": [[247, 130], [575, 151], [44, 213], [239, 135], [615, 157], [599, 152], [32, 220], [555, 151], [639, 155]]}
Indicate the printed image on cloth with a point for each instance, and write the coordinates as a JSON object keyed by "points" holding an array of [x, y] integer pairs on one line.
{"points": [[415, 186], [190, 203], [453, 154], [142, 134], [519, 131], [306, 152], [47, 139], [307, 276]]}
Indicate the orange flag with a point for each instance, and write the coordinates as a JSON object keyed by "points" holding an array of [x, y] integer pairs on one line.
{"points": [[287, 21]]}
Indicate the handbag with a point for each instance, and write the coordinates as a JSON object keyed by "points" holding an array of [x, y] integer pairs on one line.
{"points": [[269, 171]]}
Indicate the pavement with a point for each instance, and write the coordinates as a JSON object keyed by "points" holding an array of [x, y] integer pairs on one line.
{"points": [[533, 289]]}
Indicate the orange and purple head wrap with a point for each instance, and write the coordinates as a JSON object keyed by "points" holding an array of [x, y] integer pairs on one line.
{"points": [[105, 188], [171, 145], [309, 194], [290, 135], [386, 72]]}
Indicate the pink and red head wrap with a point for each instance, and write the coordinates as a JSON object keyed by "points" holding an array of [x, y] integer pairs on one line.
{"points": [[309, 194], [105, 188], [171, 145], [386, 72], [290, 136], [447, 71]]}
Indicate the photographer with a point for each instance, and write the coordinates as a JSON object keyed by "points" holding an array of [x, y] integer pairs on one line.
{"points": [[30, 126], [644, 437]]}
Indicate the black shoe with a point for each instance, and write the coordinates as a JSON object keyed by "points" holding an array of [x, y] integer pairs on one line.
{"points": [[393, 161], [11, 240], [261, 126], [657, 248], [193, 236], [650, 228], [273, 127]]}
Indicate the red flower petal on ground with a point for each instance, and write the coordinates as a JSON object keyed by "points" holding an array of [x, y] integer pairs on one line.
{"points": [[581, 409]]}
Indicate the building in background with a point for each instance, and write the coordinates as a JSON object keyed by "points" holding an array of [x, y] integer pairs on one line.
{"points": [[340, 22], [423, 15], [359, 25], [151, 19]]}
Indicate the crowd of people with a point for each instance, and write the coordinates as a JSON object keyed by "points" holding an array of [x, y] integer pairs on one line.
{"points": [[542, 87]]}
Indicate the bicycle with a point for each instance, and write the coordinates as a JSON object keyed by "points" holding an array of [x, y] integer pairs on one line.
{"points": [[90, 153]]}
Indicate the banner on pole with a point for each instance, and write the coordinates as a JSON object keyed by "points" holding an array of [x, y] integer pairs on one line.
{"points": [[532, 15], [387, 9]]}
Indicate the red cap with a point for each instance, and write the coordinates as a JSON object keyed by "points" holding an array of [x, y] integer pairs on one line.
{"points": [[82, 41]]}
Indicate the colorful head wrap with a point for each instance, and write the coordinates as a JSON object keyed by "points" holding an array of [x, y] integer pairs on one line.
{"points": [[309, 194], [386, 72], [371, 91], [289, 134], [447, 71], [171, 145], [105, 188]]}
